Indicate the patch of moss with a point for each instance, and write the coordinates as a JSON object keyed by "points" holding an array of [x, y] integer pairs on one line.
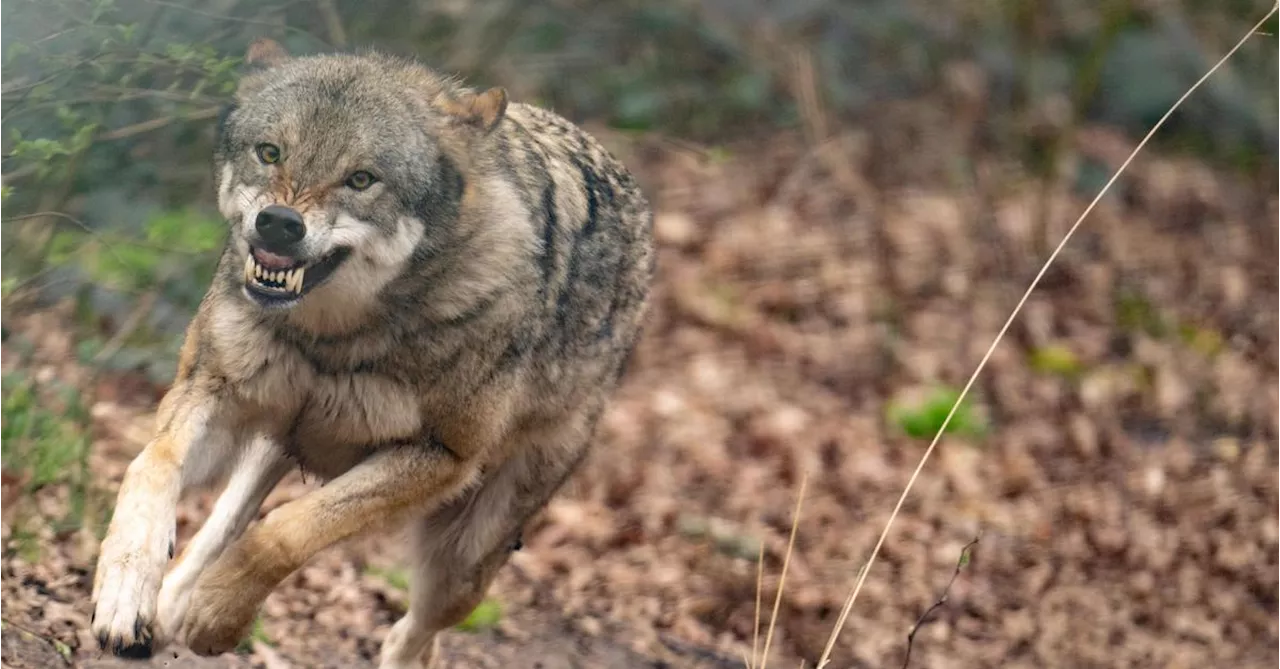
{"points": [[925, 418], [1056, 360], [486, 615]]}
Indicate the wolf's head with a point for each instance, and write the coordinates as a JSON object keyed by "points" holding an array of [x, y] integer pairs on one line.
{"points": [[335, 171]]}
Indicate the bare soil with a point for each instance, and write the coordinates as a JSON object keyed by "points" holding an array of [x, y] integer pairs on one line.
{"points": [[1126, 503]]}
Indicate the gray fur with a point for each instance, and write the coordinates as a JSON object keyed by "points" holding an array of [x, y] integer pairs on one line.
{"points": [[497, 277]]}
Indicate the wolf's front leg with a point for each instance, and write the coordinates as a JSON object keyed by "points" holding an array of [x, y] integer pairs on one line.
{"points": [[140, 539], [257, 470], [388, 488]]}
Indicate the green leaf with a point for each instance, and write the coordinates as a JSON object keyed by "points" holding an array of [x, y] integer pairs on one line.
{"points": [[257, 635], [1057, 360], [486, 615], [63, 246], [396, 578], [185, 230], [923, 419], [127, 31], [17, 49]]}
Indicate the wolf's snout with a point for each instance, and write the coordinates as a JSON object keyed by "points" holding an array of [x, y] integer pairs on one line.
{"points": [[280, 227]]}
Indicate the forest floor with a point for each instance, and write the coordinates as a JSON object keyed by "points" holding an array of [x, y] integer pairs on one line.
{"points": [[1120, 471]]}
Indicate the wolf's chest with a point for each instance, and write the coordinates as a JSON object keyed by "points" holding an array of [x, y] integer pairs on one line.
{"points": [[357, 409], [330, 422], [345, 418]]}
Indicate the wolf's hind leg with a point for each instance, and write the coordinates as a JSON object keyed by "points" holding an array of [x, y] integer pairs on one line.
{"points": [[443, 592], [457, 551]]}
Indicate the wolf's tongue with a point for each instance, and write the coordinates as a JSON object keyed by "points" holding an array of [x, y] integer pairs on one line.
{"points": [[272, 261]]}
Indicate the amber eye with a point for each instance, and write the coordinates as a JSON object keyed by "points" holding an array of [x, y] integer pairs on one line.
{"points": [[268, 153], [361, 180]]}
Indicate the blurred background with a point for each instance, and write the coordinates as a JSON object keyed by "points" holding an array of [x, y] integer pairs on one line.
{"points": [[850, 198]]}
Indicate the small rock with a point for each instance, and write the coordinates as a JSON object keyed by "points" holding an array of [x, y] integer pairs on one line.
{"points": [[675, 228], [1084, 435], [589, 626], [1227, 449]]}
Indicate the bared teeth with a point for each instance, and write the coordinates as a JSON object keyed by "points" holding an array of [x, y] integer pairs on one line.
{"points": [[290, 280], [293, 280]]}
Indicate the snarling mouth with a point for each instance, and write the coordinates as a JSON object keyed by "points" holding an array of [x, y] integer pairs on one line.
{"points": [[275, 280]]}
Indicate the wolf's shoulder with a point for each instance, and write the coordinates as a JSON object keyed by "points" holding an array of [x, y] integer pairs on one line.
{"points": [[566, 145]]}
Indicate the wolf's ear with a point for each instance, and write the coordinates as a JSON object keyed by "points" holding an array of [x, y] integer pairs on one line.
{"points": [[481, 110], [264, 53]]}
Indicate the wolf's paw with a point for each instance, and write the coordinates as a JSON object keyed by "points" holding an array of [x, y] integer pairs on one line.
{"points": [[215, 623], [222, 607], [126, 584], [175, 599]]}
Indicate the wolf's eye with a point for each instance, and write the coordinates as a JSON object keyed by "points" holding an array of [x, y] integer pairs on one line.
{"points": [[361, 180], [268, 153]]}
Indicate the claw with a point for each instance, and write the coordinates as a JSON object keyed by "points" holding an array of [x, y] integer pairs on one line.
{"points": [[135, 651]]}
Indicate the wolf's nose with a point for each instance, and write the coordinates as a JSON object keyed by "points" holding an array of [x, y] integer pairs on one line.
{"points": [[280, 227]]}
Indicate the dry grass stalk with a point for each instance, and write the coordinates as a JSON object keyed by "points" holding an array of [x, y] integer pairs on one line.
{"points": [[782, 578], [862, 573]]}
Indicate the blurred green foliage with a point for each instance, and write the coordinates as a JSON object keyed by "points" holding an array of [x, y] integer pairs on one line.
{"points": [[1056, 360], [1205, 341], [173, 243], [396, 578], [487, 614], [109, 105], [257, 635], [44, 435], [48, 445], [924, 418], [1135, 313]]}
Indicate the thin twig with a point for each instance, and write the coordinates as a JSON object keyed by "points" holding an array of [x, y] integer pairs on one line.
{"points": [[156, 124], [279, 25], [130, 325], [853, 595], [942, 599], [782, 579], [24, 171], [125, 133], [102, 239], [95, 233], [755, 625]]}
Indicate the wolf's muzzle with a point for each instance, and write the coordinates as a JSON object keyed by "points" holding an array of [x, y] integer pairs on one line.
{"points": [[280, 228]]}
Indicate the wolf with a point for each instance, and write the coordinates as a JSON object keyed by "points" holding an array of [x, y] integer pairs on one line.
{"points": [[427, 296]]}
